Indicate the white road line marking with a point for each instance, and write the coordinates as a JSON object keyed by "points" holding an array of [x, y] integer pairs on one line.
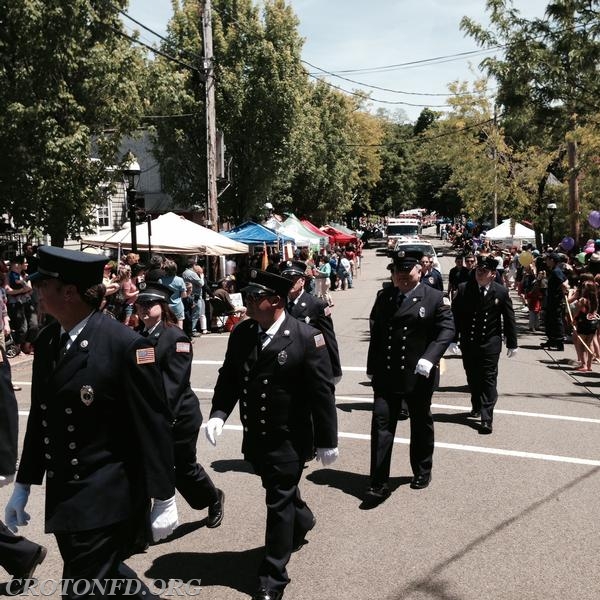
{"points": [[479, 449], [518, 413], [459, 447], [498, 411]]}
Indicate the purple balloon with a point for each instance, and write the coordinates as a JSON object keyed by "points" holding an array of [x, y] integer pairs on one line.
{"points": [[594, 219], [567, 243]]}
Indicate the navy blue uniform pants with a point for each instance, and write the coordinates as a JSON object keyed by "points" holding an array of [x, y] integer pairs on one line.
{"points": [[16, 552], [383, 429], [98, 554], [482, 377], [288, 520]]}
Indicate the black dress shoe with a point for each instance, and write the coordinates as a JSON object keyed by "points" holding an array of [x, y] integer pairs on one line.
{"points": [[420, 482], [265, 594], [486, 427], [403, 415], [378, 493], [475, 414], [216, 511], [300, 540], [17, 583]]}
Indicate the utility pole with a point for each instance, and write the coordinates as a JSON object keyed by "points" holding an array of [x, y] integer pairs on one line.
{"points": [[495, 156], [574, 208], [212, 209]]}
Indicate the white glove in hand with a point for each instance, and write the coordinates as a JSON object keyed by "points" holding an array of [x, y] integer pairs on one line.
{"points": [[163, 518], [511, 352], [327, 455], [214, 428], [453, 348], [5, 480], [14, 513], [423, 367]]}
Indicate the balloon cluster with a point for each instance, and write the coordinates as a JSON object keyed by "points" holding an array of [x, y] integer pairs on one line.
{"points": [[594, 219], [567, 243]]}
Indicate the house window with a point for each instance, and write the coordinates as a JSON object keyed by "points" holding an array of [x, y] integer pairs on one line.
{"points": [[103, 214]]}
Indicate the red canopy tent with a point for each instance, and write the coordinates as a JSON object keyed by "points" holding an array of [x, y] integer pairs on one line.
{"points": [[338, 237], [313, 228]]}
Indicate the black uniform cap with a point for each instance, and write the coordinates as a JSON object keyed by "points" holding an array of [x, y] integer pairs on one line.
{"points": [[487, 262], [152, 291], [405, 260], [69, 266], [268, 283], [293, 268]]}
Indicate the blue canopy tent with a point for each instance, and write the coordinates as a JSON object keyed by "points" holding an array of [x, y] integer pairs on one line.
{"points": [[254, 233]]}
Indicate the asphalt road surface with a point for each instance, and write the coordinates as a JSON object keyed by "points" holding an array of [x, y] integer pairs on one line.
{"points": [[509, 516]]}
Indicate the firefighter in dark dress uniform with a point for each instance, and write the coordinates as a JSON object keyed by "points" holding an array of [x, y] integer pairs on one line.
{"points": [[279, 370], [98, 429], [174, 358], [483, 313], [312, 310], [554, 313], [412, 328], [18, 555]]}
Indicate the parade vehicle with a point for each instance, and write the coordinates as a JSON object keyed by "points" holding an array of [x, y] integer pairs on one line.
{"points": [[421, 246], [401, 229]]}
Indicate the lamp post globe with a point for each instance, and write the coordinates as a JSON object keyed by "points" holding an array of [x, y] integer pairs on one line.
{"points": [[551, 208], [132, 170]]}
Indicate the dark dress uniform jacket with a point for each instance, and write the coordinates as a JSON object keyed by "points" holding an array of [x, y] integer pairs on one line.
{"points": [[421, 327], [174, 357], [481, 325], [315, 312], [98, 428], [9, 419], [286, 392]]}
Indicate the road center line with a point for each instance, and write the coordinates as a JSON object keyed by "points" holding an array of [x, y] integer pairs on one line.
{"points": [[459, 447]]}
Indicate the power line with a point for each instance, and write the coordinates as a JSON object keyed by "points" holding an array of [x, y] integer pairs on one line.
{"points": [[395, 102], [383, 89], [425, 61]]}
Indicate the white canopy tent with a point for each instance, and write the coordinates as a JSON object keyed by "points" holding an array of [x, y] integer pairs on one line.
{"points": [[502, 234], [171, 234]]}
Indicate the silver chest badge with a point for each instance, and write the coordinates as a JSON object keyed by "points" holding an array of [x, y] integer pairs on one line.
{"points": [[87, 394], [282, 357], [422, 312]]}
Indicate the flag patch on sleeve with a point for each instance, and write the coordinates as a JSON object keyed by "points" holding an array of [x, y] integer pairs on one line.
{"points": [[144, 356], [182, 347], [319, 340]]}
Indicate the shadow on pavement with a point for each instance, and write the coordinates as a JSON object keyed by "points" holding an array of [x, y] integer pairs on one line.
{"points": [[235, 464], [211, 568], [353, 484], [458, 418], [453, 388], [350, 406]]}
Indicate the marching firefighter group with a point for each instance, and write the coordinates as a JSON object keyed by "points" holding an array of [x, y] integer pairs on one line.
{"points": [[113, 423]]}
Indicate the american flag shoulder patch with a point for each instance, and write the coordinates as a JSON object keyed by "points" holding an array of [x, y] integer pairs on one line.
{"points": [[182, 347], [144, 356], [319, 340]]}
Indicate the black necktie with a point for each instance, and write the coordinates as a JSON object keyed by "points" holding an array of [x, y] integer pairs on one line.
{"points": [[482, 292], [262, 338], [290, 305], [145, 333], [61, 349], [400, 299]]}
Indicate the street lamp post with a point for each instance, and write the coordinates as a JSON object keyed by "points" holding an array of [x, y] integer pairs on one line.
{"points": [[551, 211], [132, 172]]}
